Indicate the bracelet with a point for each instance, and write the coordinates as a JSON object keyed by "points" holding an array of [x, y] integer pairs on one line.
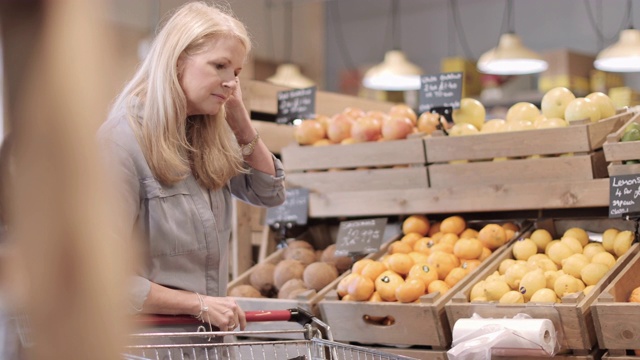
{"points": [[203, 308], [247, 149]]}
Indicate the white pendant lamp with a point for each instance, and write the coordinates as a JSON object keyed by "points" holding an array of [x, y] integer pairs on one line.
{"points": [[623, 56], [289, 75], [511, 57], [396, 72]]}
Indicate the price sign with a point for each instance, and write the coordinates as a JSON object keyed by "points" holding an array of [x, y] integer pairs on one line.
{"points": [[294, 210], [440, 90], [360, 236], [624, 195], [296, 104]]}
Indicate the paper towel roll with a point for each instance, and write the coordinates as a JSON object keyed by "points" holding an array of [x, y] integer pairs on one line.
{"points": [[518, 336]]}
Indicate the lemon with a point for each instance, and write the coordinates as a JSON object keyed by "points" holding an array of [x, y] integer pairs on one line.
{"points": [[505, 264], [592, 273], [512, 297], [551, 276], [532, 282], [515, 273], [574, 244], [565, 285], [523, 249], [592, 249], [579, 234], [622, 242], [608, 238], [558, 252], [544, 295], [588, 289], [581, 285], [541, 237], [494, 276], [604, 258], [574, 264], [534, 258], [477, 290], [493, 290], [546, 248], [480, 299], [546, 264]]}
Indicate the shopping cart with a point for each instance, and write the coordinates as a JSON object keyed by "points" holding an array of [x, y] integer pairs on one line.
{"points": [[316, 342]]}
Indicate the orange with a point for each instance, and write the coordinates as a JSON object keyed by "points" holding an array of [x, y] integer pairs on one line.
{"points": [[468, 249], [410, 290], [438, 286], [470, 264], [456, 274], [347, 298], [509, 234], [343, 285], [453, 224], [375, 297], [418, 257], [357, 266], [423, 272], [424, 245], [492, 236], [437, 236], [399, 247], [435, 227], [416, 223], [400, 263], [411, 238], [373, 269], [442, 262], [486, 252], [469, 233], [360, 288], [510, 226], [448, 238], [386, 285], [442, 247]]}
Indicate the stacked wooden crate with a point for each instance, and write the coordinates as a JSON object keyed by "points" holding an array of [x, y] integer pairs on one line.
{"points": [[616, 152]]}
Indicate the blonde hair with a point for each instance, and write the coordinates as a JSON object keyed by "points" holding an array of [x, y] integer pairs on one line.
{"points": [[173, 144]]}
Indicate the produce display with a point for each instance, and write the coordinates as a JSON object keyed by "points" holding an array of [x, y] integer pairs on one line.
{"points": [[543, 269], [302, 268], [429, 258], [631, 133]]}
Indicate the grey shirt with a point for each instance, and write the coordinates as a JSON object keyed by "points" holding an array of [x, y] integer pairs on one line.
{"points": [[185, 239]]}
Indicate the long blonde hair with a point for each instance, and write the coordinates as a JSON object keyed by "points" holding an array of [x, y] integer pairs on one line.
{"points": [[173, 144]]}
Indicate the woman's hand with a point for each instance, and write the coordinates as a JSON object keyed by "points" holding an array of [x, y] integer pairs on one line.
{"points": [[223, 312], [237, 115]]}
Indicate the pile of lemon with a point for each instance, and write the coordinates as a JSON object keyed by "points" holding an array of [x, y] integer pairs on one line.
{"points": [[544, 269]]}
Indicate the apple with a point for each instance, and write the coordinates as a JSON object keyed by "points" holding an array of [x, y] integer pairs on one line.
{"points": [[555, 101], [308, 132], [471, 111], [339, 127], [322, 142], [522, 111], [428, 122], [581, 109], [519, 125], [366, 128], [548, 123], [462, 129], [397, 128], [604, 103], [354, 112], [324, 120], [404, 110], [494, 126]]}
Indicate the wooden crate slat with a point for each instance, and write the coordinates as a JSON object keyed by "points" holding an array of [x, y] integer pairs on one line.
{"points": [[618, 151], [619, 169], [275, 136], [383, 153], [358, 180], [478, 198]]}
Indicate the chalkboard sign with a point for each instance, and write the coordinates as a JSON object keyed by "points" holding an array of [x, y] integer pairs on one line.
{"points": [[440, 90], [294, 210], [296, 104], [360, 236], [624, 195]]}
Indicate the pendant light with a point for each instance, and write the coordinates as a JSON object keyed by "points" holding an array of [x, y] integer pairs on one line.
{"points": [[624, 55], [288, 74], [396, 72], [511, 57]]}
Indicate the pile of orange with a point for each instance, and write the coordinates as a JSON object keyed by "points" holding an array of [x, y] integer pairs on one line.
{"points": [[431, 257]]}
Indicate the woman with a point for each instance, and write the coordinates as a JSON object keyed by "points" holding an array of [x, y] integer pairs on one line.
{"points": [[183, 144]]}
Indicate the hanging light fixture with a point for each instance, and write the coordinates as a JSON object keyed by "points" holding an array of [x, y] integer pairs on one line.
{"points": [[396, 72], [624, 55], [288, 74], [511, 57]]}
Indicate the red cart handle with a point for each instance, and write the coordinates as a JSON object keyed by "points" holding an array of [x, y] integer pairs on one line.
{"points": [[251, 316]]}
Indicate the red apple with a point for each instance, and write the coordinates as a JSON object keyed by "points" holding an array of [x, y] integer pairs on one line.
{"points": [[428, 122], [397, 128], [339, 127], [366, 129], [308, 132], [403, 110]]}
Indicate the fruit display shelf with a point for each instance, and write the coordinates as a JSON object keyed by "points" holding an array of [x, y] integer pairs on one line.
{"points": [[572, 316], [571, 153], [616, 152], [617, 321]]}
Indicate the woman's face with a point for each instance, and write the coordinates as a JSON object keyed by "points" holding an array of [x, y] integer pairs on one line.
{"points": [[208, 78]]}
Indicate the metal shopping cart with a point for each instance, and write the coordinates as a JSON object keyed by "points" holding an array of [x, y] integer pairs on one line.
{"points": [[316, 342]]}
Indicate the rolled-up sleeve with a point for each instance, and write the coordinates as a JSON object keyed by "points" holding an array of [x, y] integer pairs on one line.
{"points": [[260, 189]]}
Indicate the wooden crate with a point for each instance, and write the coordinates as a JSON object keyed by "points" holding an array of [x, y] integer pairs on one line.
{"points": [[423, 323], [398, 164], [572, 318], [608, 356], [583, 141], [618, 321], [616, 152]]}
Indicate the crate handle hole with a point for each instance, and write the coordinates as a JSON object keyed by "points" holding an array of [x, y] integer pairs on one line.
{"points": [[379, 320]]}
